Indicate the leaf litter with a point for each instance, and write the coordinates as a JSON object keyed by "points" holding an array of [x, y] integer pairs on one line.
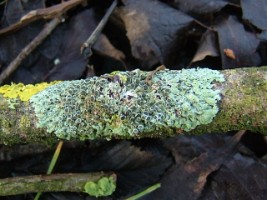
{"points": [[195, 167]]}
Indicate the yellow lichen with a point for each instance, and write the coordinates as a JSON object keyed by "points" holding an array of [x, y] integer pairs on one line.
{"points": [[23, 92]]}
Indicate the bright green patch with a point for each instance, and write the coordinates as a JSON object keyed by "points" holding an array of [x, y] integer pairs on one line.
{"points": [[103, 187], [23, 92]]}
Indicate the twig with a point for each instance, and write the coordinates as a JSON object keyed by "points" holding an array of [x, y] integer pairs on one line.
{"points": [[29, 48], [86, 47], [44, 13], [49, 183], [203, 25]]}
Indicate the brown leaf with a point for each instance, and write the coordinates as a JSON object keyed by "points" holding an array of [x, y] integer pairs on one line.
{"points": [[255, 13], [232, 35], [71, 63], [229, 53], [241, 177], [196, 158], [207, 47], [104, 46], [136, 168], [11, 45], [45, 13], [152, 28], [200, 6]]}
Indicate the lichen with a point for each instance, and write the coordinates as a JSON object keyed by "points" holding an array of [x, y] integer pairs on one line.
{"points": [[110, 106], [103, 187], [21, 91]]}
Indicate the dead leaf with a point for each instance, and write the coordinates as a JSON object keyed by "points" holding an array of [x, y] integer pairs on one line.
{"points": [[256, 14], [200, 6], [207, 47], [196, 158], [136, 168], [229, 53], [104, 46], [11, 45], [241, 177], [71, 63], [232, 35], [16, 9], [152, 27]]}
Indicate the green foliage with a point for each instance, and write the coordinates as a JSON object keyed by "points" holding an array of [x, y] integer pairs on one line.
{"points": [[103, 187], [124, 104]]}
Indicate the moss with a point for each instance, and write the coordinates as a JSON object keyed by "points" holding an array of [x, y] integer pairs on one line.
{"points": [[252, 90], [24, 122], [103, 187], [111, 106], [243, 107]]}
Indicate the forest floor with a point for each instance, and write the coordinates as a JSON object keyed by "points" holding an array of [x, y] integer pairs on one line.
{"points": [[179, 34]]}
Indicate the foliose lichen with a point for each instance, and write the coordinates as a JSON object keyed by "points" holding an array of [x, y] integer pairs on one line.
{"points": [[124, 104], [103, 187]]}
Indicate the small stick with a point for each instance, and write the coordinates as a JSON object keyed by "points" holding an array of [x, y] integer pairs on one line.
{"points": [[150, 75], [71, 182], [42, 13], [29, 48], [86, 46]]}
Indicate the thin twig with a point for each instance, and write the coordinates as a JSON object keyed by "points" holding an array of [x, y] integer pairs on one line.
{"points": [[43, 13], [29, 48], [72, 182], [86, 47], [203, 25]]}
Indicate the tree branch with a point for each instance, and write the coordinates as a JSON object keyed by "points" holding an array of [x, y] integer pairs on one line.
{"points": [[50, 183], [123, 105]]}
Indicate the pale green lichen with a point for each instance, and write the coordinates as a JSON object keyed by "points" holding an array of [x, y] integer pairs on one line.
{"points": [[103, 187], [108, 106]]}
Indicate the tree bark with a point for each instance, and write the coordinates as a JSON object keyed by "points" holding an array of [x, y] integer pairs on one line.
{"points": [[243, 105]]}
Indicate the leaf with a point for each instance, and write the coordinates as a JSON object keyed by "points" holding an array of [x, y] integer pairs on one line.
{"points": [[151, 36], [72, 64], [207, 47], [256, 14], [104, 46], [12, 44], [200, 6], [241, 177], [106, 57], [197, 157], [16, 9], [232, 35]]}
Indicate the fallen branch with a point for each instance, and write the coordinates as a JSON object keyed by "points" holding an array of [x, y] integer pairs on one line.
{"points": [[136, 104], [55, 183]]}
